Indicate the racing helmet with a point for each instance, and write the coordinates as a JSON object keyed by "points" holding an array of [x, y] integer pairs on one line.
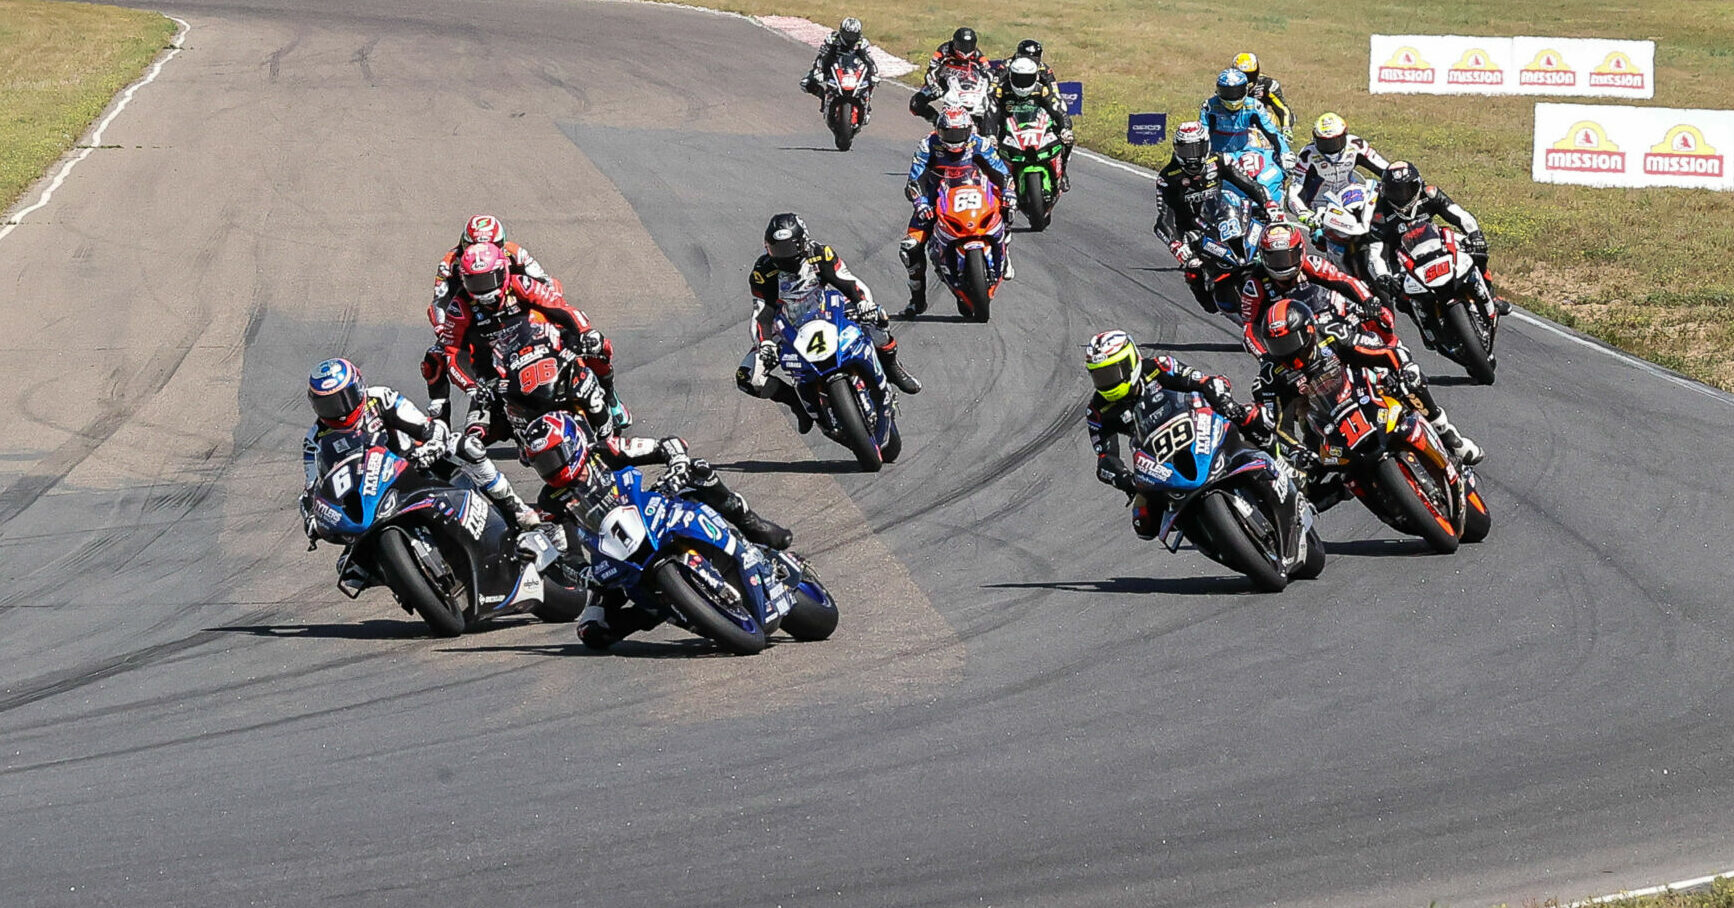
{"points": [[1114, 365], [786, 241], [1289, 331], [849, 32], [1191, 146], [1023, 74], [1330, 135], [963, 41], [1231, 89], [1247, 63], [954, 128], [555, 446], [1031, 48], [1280, 251], [1401, 184], [483, 228], [337, 393], [482, 269]]}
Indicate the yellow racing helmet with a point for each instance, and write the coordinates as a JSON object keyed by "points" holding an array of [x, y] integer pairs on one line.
{"points": [[1114, 364], [1247, 63]]}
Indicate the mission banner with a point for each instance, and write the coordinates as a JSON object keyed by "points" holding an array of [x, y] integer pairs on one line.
{"points": [[1602, 145], [1458, 64]]}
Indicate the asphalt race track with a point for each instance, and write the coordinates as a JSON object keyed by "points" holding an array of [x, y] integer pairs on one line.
{"points": [[1025, 705]]}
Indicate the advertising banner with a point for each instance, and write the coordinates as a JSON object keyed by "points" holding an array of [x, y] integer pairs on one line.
{"points": [[1599, 145], [1146, 128], [1456, 64], [1073, 93]]}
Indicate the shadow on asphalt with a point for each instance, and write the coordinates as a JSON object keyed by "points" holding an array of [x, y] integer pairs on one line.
{"points": [[1201, 347], [1452, 381], [934, 317], [372, 629], [1175, 586], [1379, 547], [828, 148], [695, 648], [798, 466]]}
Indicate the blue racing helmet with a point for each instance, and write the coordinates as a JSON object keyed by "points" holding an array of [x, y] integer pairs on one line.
{"points": [[1231, 88], [336, 391]]}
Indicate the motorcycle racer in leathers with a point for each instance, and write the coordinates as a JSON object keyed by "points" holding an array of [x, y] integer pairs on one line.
{"points": [[953, 146], [1192, 175], [1404, 201], [1120, 374], [558, 447], [483, 228], [793, 264], [1231, 117], [342, 402], [958, 53], [847, 38], [1284, 264], [1021, 84], [1266, 91], [1328, 163]]}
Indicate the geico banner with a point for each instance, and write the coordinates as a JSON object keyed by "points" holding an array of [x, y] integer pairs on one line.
{"points": [[1596, 145], [1456, 64]]}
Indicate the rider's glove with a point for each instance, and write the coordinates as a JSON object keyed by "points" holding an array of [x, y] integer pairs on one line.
{"points": [[590, 343], [924, 211], [768, 353], [1388, 284], [1009, 201], [1110, 470], [438, 445], [678, 473], [1067, 137], [1475, 243], [1256, 426], [309, 525], [1287, 161], [1272, 212]]}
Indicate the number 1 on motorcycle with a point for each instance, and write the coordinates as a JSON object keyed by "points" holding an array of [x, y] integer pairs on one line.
{"points": [[1354, 427]]}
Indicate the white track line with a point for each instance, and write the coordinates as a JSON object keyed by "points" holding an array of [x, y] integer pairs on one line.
{"points": [[95, 139], [1653, 890]]}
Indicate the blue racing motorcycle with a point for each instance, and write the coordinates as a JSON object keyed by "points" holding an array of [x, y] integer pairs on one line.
{"points": [[683, 562], [440, 546], [837, 375], [1261, 166], [1238, 504]]}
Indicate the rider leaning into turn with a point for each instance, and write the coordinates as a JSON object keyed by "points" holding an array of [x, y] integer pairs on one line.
{"points": [[1284, 265], [1328, 163], [1021, 84], [483, 228], [1297, 346], [1266, 91], [1191, 176], [1121, 375], [490, 295], [1231, 117], [1406, 201], [958, 53], [952, 146], [846, 39], [343, 402], [793, 264], [566, 455]]}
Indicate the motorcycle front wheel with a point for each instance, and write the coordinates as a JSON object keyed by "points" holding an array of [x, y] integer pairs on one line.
{"points": [[1033, 199], [1476, 358], [975, 283], [1402, 489], [705, 616], [1235, 544], [813, 617], [404, 574], [852, 423], [842, 131]]}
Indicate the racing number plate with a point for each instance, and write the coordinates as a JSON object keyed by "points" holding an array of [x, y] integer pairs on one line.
{"points": [[1354, 427], [817, 340], [1171, 438]]}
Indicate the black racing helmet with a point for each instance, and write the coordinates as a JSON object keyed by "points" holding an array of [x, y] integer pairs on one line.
{"points": [[1031, 48], [849, 32], [963, 40], [1401, 183], [786, 241], [1289, 330]]}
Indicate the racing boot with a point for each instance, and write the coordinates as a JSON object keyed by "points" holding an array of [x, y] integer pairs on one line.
{"points": [[708, 488], [600, 627], [785, 394], [1465, 450], [516, 509], [894, 370], [910, 251], [617, 412]]}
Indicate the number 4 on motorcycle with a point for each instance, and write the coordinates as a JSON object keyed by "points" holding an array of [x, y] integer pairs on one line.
{"points": [[816, 346]]}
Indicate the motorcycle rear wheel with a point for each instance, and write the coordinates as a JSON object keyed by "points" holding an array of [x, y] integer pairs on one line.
{"points": [[703, 615], [403, 573], [561, 604], [1477, 359], [852, 423], [1235, 545], [1314, 563], [811, 618], [1477, 519], [975, 283], [1033, 200], [1405, 495]]}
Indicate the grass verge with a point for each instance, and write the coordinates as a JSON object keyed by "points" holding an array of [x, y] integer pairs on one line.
{"points": [[60, 64], [1719, 894], [1644, 269]]}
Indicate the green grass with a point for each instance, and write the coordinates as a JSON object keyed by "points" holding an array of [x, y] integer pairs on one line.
{"points": [[1720, 894], [60, 63], [1645, 269]]}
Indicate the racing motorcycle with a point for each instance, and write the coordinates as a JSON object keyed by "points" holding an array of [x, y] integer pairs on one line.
{"points": [[1228, 246], [540, 374], [968, 89], [1239, 505], [681, 561], [967, 243], [1344, 221], [1387, 455], [439, 545], [1261, 166], [838, 376], [1031, 149], [848, 93], [1439, 277]]}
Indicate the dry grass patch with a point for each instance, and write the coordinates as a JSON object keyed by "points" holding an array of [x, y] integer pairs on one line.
{"points": [[1654, 258], [60, 63]]}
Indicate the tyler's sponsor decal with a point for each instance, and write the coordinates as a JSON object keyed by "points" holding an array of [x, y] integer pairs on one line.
{"points": [[1617, 71], [1475, 68], [1586, 149], [1683, 151], [1406, 66], [1549, 69]]}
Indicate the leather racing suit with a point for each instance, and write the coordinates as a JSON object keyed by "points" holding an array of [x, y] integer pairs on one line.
{"points": [[931, 163]]}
